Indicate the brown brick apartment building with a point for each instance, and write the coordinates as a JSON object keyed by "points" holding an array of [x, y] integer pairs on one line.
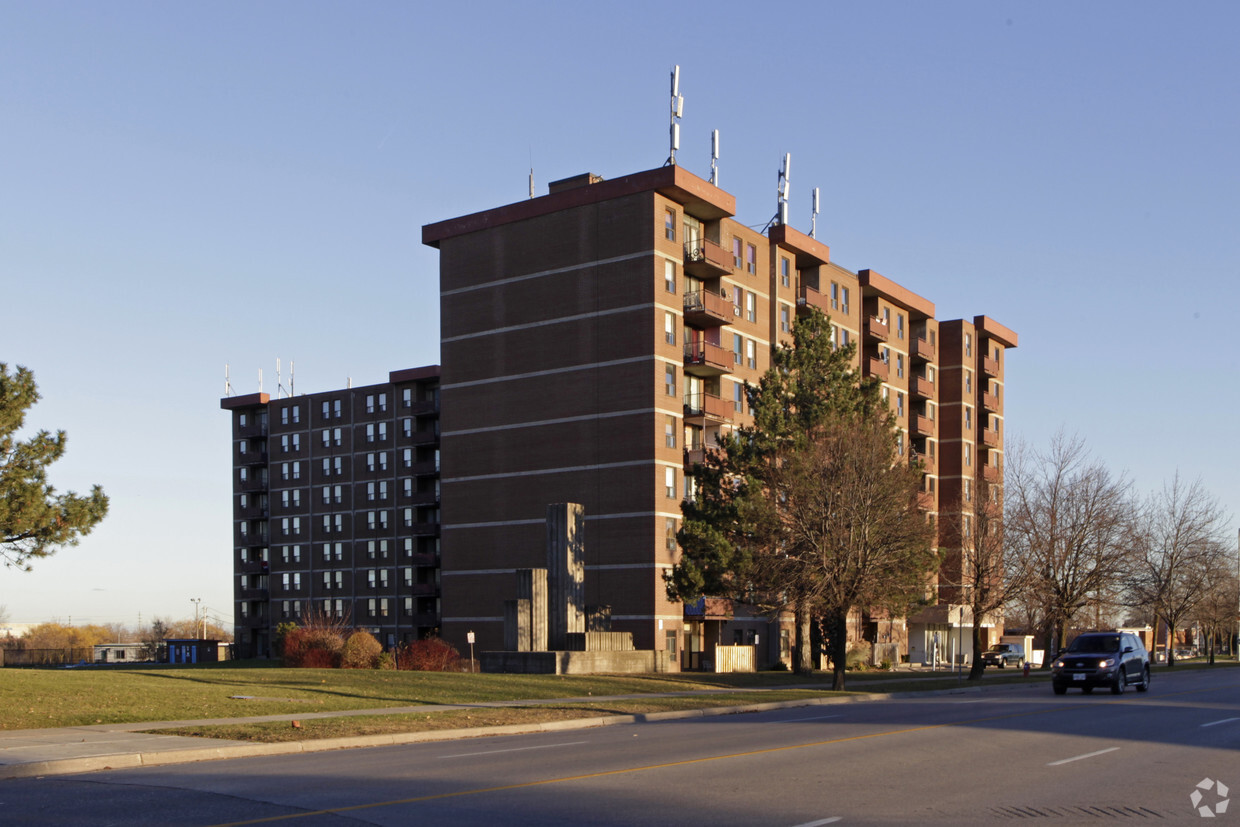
{"points": [[595, 339], [336, 509]]}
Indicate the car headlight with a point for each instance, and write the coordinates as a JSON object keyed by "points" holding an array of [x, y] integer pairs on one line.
{"points": [[1059, 664], [1106, 662]]}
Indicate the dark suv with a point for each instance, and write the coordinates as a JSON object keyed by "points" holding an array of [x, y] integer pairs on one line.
{"points": [[1112, 659], [1002, 654]]}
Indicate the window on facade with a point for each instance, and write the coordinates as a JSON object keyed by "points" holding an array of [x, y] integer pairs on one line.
{"points": [[968, 381], [751, 259], [751, 353], [327, 410], [370, 403], [337, 409], [407, 423], [968, 419], [751, 307], [669, 328], [669, 380], [669, 224], [669, 531], [968, 455], [844, 300], [382, 402], [406, 397], [738, 397], [327, 437], [785, 272], [327, 466], [669, 276], [899, 325], [900, 365], [835, 296], [968, 344], [737, 262], [242, 420], [669, 483], [408, 457], [785, 319], [737, 348]]}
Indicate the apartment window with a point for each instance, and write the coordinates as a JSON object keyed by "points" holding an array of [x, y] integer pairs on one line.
{"points": [[968, 491], [900, 365], [785, 319], [370, 492], [899, 325], [327, 524], [327, 437], [751, 307], [669, 483], [245, 530], [669, 431], [968, 344], [738, 397], [408, 457], [966, 526], [244, 500], [370, 403], [737, 345], [242, 420], [751, 353], [370, 432], [669, 382], [407, 425], [337, 436], [408, 573], [291, 498], [669, 328], [406, 397], [737, 300], [885, 355], [690, 488], [284, 415], [751, 259], [968, 455], [899, 404], [736, 253], [900, 443], [669, 530], [382, 431], [669, 276], [408, 517], [408, 486], [327, 494], [785, 272], [383, 491], [382, 402], [327, 410], [844, 299], [835, 296], [243, 447], [669, 225], [843, 338], [338, 465], [284, 471], [968, 418], [383, 459], [968, 381], [296, 470]]}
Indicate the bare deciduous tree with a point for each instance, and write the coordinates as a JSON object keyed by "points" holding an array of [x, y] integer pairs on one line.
{"points": [[1180, 541], [1070, 521]]}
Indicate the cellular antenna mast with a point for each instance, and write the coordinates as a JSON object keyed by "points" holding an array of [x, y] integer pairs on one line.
{"points": [[678, 108], [279, 382], [781, 215], [714, 157], [228, 391], [290, 378], [813, 218]]}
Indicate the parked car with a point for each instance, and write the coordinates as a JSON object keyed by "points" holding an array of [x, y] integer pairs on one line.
{"points": [[1113, 659], [1003, 654]]}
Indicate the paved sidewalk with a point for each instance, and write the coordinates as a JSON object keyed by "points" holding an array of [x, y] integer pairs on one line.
{"points": [[37, 752]]}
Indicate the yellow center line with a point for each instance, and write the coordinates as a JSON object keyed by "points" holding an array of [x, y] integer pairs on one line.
{"points": [[686, 762]]}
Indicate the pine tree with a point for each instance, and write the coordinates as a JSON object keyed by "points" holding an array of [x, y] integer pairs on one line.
{"points": [[35, 521]]}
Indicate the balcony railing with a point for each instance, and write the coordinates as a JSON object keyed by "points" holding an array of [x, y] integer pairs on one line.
{"points": [[990, 437], [808, 297], [706, 308], [990, 402], [925, 500], [423, 589], [877, 367], [706, 260], [427, 468], [422, 498], [877, 329], [697, 456], [705, 359], [990, 366], [422, 437], [992, 473], [922, 426], [708, 405], [922, 349], [922, 387]]}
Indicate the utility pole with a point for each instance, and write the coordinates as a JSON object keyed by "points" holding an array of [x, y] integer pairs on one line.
{"points": [[195, 601]]}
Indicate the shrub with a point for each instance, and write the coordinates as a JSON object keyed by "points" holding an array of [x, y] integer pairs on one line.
{"points": [[428, 655], [360, 651], [858, 656], [313, 648], [386, 661]]}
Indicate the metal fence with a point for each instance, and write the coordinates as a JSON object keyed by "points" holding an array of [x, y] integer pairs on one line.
{"points": [[46, 657]]}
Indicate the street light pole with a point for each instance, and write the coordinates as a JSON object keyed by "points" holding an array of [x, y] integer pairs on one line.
{"points": [[195, 601]]}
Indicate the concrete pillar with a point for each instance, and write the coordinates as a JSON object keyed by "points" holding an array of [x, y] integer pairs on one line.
{"points": [[565, 572], [532, 592]]}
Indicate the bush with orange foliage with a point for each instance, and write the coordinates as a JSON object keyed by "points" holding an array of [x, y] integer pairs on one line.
{"points": [[428, 655]]}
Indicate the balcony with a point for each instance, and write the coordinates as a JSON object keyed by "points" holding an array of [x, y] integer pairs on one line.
{"points": [[990, 437], [697, 456], [923, 350], [705, 359], [808, 297], [422, 498], [422, 437], [428, 468], [990, 402], [424, 529], [422, 407], [705, 308], [253, 429], [708, 406], [928, 463], [922, 387], [925, 501], [707, 260], [422, 590], [990, 367], [992, 474], [252, 567], [423, 619], [877, 329], [422, 560], [877, 367], [255, 483], [253, 594], [921, 426], [252, 458]]}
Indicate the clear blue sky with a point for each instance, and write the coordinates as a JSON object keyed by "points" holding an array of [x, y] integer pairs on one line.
{"points": [[188, 185]]}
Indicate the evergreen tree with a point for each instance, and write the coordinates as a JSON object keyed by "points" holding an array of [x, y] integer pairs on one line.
{"points": [[34, 520]]}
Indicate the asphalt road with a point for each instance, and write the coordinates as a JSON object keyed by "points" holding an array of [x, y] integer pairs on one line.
{"points": [[974, 758]]}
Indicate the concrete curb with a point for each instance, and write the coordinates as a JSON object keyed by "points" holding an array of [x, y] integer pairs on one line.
{"points": [[165, 757]]}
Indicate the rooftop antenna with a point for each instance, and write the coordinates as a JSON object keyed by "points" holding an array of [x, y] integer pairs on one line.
{"points": [[290, 378], [783, 188], [531, 172], [813, 219], [714, 157], [279, 381], [228, 391], [678, 108], [781, 215], [260, 380]]}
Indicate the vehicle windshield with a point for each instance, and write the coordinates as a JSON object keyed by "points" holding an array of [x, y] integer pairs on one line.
{"points": [[1095, 643], [998, 648]]}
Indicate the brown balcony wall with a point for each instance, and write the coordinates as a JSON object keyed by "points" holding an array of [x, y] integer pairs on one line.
{"points": [[877, 367], [705, 359], [877, 328], [707, 260], [922, 387], [923, 350], [706, 308]]}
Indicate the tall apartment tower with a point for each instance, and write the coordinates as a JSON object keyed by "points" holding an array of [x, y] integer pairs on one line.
{"points": [[597, 339], [336, 509]]}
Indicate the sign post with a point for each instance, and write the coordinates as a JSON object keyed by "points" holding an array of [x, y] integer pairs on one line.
{"points": [[470, 637]]}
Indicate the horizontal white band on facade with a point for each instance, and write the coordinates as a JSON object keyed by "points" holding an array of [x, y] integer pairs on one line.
{"points": [[515, 377], [585, 265], [589, 517], [606, 567], [633, 308], [539, 423], [447, 619], [564, 470]]}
